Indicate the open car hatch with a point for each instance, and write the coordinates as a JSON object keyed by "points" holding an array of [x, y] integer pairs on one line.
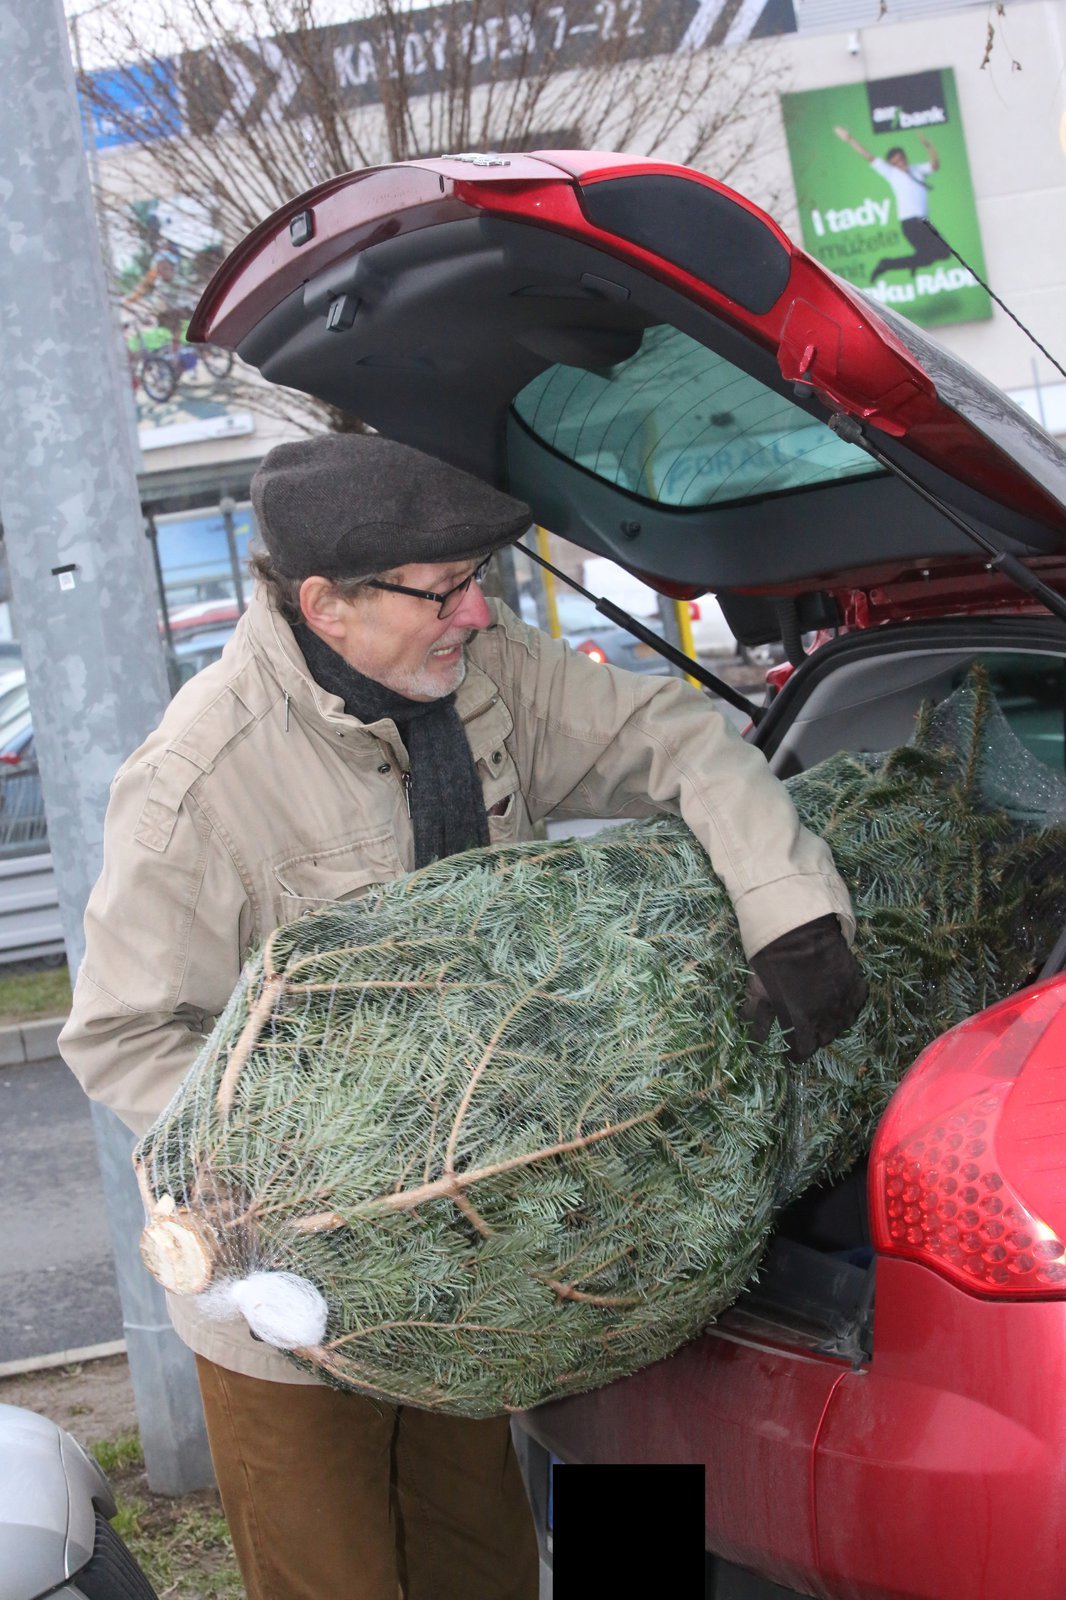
{"points": [[645, 357]]}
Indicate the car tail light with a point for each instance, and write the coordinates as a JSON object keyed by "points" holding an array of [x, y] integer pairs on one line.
{"points": [[10, 760], [968, 1166], [693, 611], [589, 648]]}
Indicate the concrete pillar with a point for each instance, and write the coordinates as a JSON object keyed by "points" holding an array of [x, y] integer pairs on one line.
{"points": [[83, 592]]}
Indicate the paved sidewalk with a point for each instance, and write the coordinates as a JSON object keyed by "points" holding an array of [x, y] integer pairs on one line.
{"points": [[25, 1042]]}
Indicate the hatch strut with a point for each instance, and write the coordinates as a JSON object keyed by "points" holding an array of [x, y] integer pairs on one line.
{"points": [[850, 430], [622, 619]]}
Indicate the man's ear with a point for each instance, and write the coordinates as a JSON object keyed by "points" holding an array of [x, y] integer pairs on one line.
{"points": [[322, 606]]}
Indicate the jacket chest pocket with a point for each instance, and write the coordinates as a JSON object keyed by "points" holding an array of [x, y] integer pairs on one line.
{"points": [[505, 804], [318, 878]]}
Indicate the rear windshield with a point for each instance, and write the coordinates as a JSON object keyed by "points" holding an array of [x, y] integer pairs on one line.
{"points": [[681, 426]]}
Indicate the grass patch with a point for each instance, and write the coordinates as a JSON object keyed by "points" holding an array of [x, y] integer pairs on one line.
{"points": [[119, 1454], [187, 1556], [27, 993], [180, 1541]]}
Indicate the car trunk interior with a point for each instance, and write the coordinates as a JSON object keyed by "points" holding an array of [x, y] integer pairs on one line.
{"points": [[860, 692]]}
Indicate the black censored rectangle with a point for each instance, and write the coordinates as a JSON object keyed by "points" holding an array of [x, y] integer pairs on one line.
{"points": [[610, 1524]]}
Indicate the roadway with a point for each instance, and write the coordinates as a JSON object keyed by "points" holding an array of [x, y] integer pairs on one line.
{"points": [[57, 1282]]}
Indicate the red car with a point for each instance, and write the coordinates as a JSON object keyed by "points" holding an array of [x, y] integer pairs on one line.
{"points": [[645, 357]]}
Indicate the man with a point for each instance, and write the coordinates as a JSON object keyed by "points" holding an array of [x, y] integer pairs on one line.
{"points": [[163, 294], [910, 186], [371, 714]]}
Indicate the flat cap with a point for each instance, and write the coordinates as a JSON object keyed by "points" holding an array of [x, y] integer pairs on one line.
{"points": [[348, 505]]}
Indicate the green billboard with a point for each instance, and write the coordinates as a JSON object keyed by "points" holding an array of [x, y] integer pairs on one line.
{"points": [[885, 196]]}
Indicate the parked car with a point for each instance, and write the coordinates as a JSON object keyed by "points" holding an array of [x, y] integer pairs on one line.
{"points": [[57, 1511], [197, 614], [646, 358], [14, 696], [584, 629], [196, 648], [596, 636], [709, 630], [711, 633], [23, 827]]}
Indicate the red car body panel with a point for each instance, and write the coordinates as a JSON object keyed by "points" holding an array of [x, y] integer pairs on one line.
{"points": [[949, 1429], [938, 1469], [762, 1407], [938, 588], [909, 595]]}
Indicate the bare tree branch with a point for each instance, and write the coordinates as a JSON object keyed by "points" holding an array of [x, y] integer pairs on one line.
{"points": [[277, 102]]}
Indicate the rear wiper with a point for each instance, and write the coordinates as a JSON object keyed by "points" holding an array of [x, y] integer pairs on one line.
{"points": [[669, 652], [851, 431]]}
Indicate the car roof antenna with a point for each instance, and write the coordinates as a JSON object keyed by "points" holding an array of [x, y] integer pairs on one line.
{"points": [[851, 431], [622, 619]]}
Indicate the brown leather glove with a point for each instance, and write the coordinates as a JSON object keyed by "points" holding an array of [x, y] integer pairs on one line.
{"points": [[809, 981]]}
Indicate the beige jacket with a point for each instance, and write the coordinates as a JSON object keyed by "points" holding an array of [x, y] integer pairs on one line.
{"points": [[258, 799]]}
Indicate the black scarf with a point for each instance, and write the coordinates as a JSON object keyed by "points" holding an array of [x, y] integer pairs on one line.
{"points": [[447, 807]]}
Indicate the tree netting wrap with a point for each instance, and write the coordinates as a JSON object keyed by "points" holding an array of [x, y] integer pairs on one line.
{"points": [[495, 1134]]}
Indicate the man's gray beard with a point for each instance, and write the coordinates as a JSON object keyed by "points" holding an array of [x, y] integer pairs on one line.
{"points": [[414, 686]]}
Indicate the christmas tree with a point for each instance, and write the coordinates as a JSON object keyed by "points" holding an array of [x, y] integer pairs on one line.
{"points": [[495, 1133]]}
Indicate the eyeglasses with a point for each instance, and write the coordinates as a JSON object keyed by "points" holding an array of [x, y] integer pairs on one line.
{"points": [[448, 602]]}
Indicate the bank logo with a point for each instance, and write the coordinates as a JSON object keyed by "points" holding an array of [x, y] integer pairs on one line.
{"points": [[916, 101]]}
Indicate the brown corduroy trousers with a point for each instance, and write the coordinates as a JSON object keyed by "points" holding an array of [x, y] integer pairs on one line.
{"points": [[333, 1496]]}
